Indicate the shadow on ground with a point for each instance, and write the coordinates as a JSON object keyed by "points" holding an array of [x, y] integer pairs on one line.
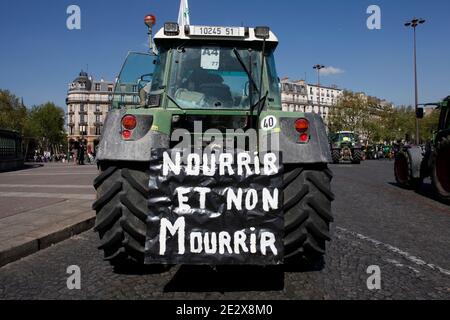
{"points": [[426, 190], [26, 166], [226, 279], [235, 278]]}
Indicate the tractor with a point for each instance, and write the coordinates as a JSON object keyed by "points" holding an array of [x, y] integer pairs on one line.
{"points": [[226, 78], [346, 147], [413, 164]]}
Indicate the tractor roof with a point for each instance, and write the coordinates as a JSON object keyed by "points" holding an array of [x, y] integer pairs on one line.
{"points": [[230, 34]]}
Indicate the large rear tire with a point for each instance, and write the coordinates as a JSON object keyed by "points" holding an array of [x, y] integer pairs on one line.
{"points": [[307, 210], [357, 156], [121, 206], [440, 174], [336, 156], [403, 171]]}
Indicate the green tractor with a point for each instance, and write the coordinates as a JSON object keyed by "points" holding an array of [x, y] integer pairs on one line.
{"points": [[413, 164], [224, 77], [346, 147]]}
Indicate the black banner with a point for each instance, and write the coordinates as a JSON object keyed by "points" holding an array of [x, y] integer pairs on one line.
{"points": [[213, 216]]}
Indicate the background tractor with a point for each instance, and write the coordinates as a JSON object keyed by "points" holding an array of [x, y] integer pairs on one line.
{"points": [[226, 78], [346, 147], [415, 163]]}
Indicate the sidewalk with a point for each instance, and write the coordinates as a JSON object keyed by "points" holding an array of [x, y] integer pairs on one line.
{"points": [[43, 206]]}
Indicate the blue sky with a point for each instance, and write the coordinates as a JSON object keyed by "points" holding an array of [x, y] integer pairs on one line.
{"points": [[39, 56]]}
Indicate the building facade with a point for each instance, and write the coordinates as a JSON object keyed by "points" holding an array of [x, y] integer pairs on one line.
{"points": [[308, 98], [88, 102]]}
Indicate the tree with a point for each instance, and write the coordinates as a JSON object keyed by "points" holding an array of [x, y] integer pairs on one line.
{"points": [[349, 113], [378, 122], [13, 114], [46, 124]]}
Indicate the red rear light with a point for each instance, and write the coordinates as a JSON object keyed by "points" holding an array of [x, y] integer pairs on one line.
{"points": [[126, 134], [301, 125], [129, 122], [304, 137]]}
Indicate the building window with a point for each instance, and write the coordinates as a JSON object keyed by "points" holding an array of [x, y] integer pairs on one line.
{"points": [[83, 131], [97, 87], [98, 131], [110, 88]]}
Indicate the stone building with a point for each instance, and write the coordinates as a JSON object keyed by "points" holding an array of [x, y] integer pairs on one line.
{"points": [[88, 102], [303, 97]]}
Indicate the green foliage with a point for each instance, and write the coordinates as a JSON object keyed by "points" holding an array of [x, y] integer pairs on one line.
{"points": [[13, 114], [379, 122], [44, 123]]}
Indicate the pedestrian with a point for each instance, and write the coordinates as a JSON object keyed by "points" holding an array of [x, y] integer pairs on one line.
{"points": [[81, 154]]}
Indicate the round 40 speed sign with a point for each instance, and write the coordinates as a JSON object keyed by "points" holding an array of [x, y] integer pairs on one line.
{"points": [[269, 123]]}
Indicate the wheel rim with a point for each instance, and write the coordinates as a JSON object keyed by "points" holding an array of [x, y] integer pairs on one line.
{"points": [[442, 169], [401, 169]]}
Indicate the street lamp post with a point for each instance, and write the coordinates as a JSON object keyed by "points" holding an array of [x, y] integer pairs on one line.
{"points": [[414, 23], [319, 67]]}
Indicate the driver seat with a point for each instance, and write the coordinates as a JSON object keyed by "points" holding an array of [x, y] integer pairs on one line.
{"points": [[217, 91]]}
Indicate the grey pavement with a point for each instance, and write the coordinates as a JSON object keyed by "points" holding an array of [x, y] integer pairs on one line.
{"points": [[405, 234], [43, 205]]}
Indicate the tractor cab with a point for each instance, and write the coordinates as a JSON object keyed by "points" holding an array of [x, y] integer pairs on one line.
{"points": [[215, 68], [444, 119], [345, 138], [198, 68]]}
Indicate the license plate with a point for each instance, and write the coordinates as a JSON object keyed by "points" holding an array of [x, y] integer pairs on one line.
{"points": [[217, 31]]}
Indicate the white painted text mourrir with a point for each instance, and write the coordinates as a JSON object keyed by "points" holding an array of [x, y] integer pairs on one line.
{"points": [[223, 243]]}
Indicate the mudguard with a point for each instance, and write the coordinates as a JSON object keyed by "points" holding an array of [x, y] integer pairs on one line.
{"points": [[113, 148], [317, 150], [415, 154]]}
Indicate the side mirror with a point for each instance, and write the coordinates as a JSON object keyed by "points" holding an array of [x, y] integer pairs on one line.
{"points": [[420, 113]]}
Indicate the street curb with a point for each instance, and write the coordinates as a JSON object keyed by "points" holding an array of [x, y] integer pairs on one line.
{"points": [[28, 248]]}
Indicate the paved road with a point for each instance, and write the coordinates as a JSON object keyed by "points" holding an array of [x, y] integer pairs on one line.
{"points": [[42, 186], [41, 205], [404, 233]]}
